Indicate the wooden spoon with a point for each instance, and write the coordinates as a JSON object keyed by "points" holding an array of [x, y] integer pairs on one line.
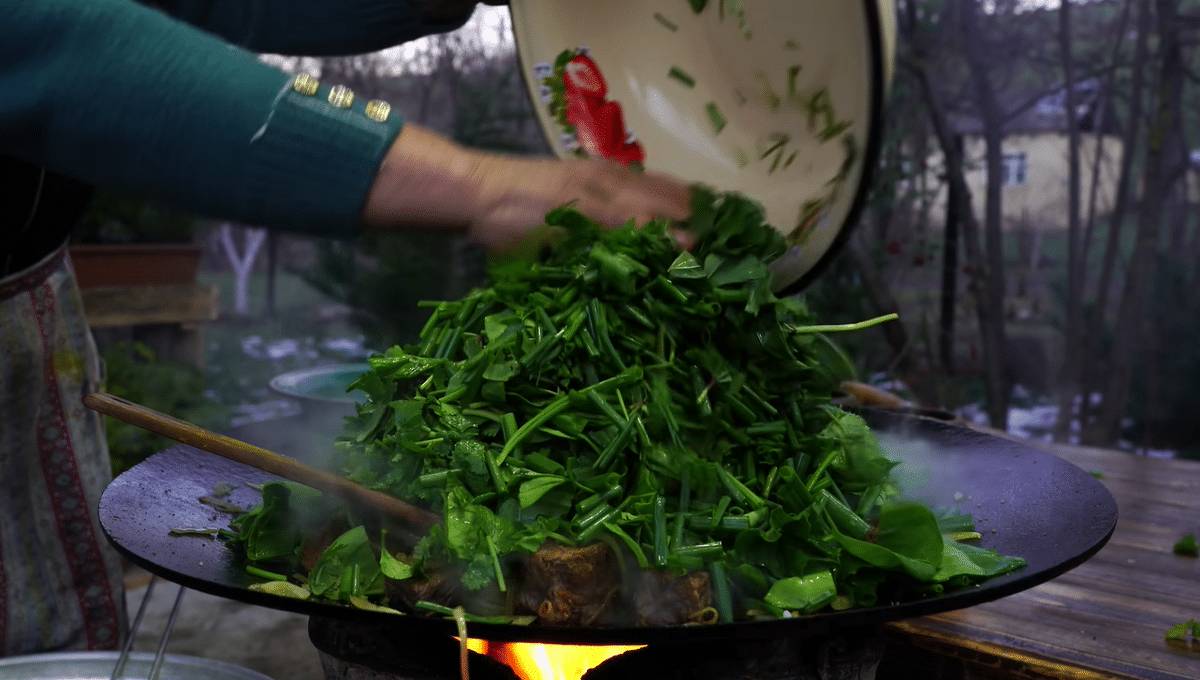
{"points": [[866, 395], [410, 516]]}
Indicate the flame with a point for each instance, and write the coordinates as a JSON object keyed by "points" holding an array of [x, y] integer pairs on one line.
{"points": [[531, 661]]}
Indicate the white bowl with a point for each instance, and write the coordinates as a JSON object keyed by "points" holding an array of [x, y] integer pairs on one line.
{"points": [[710, 97]]}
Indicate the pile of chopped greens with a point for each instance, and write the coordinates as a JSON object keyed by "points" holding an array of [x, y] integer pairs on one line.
{"points": [[618, 390]]}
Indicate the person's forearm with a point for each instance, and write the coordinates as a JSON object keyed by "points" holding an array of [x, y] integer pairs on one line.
{"points": [[428, 181], [319, 27], [122, 96], [119, 95]]}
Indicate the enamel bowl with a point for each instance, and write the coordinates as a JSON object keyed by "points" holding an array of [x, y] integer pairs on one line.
{"points": [[780, 101]]}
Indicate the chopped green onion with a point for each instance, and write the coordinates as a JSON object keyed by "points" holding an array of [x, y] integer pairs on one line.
{"points": [[701, 549], [715, 116], [263, 573], [682, 76], [724, 601], [843, 327], [666, 23], [685, 490]]}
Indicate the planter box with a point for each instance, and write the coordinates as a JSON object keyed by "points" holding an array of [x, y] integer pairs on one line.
{"points": [[148, 264]]}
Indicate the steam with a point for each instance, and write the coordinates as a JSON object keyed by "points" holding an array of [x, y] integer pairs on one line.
{"points": [[929, 471], [952, 472]]}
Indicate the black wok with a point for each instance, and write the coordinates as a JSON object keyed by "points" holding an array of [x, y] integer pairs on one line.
{"points": [[1025, 502]]}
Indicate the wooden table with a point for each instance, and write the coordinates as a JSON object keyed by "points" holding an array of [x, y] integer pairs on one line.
{"points": [[1106, 618], [170, 319]]}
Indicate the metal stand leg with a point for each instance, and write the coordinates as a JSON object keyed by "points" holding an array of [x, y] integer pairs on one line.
{"points": [[164, 638], [133, 629]]}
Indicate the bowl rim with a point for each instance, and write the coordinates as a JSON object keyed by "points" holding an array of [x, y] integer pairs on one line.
{"points": [[230, 671], [282, 383]]}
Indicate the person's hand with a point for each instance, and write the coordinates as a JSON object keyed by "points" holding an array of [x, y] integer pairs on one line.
{"points": [[513, 195], [429, 181]]}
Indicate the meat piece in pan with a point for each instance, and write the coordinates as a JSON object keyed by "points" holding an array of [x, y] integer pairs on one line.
{"points": [[567, 586], [664, 599], [440, 587]]}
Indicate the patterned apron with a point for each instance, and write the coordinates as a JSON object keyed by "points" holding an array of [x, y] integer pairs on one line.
{"points": [[60, 581]]}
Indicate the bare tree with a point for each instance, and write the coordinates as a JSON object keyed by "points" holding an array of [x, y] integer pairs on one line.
{"points": [[1075, 255], [1100, 124], [992, 264], [1163, 168], [920, 65], [1126, 185]]}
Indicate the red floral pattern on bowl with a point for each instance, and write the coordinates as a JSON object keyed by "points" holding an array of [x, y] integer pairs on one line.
{"points": [[599, 124]]}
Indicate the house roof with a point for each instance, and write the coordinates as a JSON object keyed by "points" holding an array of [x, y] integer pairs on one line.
{"points": [[1049, 112], [1024, 41]]}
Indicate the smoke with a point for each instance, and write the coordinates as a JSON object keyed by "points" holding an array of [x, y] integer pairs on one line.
{"points": [[962, 470], [922, 471], [307, 433]]}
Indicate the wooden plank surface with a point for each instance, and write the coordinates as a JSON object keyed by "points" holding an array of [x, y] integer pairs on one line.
{"points": [[1107, 617], [148, 305]]}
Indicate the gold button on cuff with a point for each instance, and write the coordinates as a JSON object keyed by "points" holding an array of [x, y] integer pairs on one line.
{"points": [[341, 96], [378, 110], [305, 84]]}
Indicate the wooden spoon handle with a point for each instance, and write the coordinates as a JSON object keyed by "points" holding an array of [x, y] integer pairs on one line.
{"points": [[415, 518], [867, 395]]}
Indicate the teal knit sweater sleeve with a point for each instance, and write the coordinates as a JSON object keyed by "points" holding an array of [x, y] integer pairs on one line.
{"points": [[319, 27], [123, 96]]}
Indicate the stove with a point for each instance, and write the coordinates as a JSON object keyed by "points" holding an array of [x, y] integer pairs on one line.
{"points": [[357, 651]]}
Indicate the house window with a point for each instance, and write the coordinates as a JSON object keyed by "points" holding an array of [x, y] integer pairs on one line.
{"points": [[1013, 169]]}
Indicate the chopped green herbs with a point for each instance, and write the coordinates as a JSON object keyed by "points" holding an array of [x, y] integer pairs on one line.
{"points": [[775, 148], [1187, 547], [715, 117], [665, 22], [775, 145], [737, 10], [682, 76], [1183, 632], [1096, 473], [222, 505], [698, 5], [263, 573], [821, 118], [221, 490], [618, 391], [793, 72], [769, 96]]}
